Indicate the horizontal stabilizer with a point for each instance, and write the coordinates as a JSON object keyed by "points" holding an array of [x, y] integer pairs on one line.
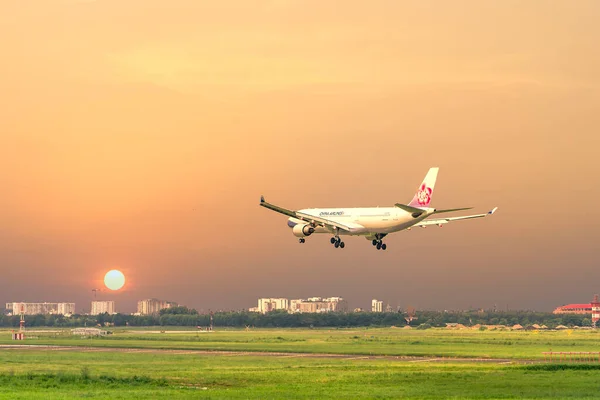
{"points": [[414, 211]]}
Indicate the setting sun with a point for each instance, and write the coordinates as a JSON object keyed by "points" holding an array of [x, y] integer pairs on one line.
{"points": [[114, 279]]}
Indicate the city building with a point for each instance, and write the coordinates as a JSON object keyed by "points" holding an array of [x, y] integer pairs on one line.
{"points": [[67, 309], [269, 304], [595, 311], [40, 308], [153, 306], [376, 305], [101, 307], [295, 305], [318, 305], [310, 305]]}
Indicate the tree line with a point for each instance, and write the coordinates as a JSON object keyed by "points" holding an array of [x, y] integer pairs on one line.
{"points": [[182, 316]]}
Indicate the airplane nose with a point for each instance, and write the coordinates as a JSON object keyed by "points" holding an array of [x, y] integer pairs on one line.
{"points": [[291, 223]]}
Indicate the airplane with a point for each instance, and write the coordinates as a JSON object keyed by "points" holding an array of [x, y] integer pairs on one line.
{"points": [[373, 223]]}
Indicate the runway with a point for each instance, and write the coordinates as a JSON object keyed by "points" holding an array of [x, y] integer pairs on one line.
{"points": [[132, 350]]}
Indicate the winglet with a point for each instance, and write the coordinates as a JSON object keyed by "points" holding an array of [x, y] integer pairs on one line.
{"points": [[262, 199], [492, 211]]}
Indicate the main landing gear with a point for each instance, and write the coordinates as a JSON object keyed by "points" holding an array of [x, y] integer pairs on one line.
{"points": [[379, 244], [337, 242], [301, 240]]}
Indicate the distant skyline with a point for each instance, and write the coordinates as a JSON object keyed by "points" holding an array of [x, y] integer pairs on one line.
{"points": [[86, 307], [139, 135]]}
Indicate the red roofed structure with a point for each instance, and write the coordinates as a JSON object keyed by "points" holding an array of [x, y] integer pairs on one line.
{"points": [[574, 309]]}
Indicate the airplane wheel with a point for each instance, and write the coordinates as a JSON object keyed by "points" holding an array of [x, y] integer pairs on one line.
{"points": [[342, 245], [332, 240], [378, 246], [302, 240], [383, 246], [374, 242], [336, 245]]}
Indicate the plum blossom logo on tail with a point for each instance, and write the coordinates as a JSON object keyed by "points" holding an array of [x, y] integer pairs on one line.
{"points": [[424, 195]]}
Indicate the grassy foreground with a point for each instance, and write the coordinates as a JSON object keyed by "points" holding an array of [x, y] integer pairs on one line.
{"points": [[149, 373]]}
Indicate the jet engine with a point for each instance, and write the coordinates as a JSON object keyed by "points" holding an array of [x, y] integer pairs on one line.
{"points": [[301, 230]]}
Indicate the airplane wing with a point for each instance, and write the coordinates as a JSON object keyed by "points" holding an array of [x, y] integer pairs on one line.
{"points": [[311, 219], [452, 210], [442, 221], [275, 208]]}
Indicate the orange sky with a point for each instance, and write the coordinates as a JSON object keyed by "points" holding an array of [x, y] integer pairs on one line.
{"points": [[140, 135]]}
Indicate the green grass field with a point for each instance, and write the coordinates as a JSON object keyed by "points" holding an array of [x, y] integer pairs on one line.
{"points": [[135, 364]]}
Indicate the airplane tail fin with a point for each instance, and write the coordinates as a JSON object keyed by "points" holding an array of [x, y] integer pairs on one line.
{"points": [[425, 191]]}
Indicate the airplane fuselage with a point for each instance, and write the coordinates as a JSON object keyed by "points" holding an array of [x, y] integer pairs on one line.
{"points": [[372, 220]]}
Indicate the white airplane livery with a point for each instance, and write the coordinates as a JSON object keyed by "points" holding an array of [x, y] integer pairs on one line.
{"points": [[374, 223]]}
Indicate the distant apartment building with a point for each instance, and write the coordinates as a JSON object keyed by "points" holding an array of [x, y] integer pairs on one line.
{"points": [[66, 308], [295, 305], [376, 305], [318, 305], [153, 306], [101, 307], [40, 308], [269, 304], [310, 305]]}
